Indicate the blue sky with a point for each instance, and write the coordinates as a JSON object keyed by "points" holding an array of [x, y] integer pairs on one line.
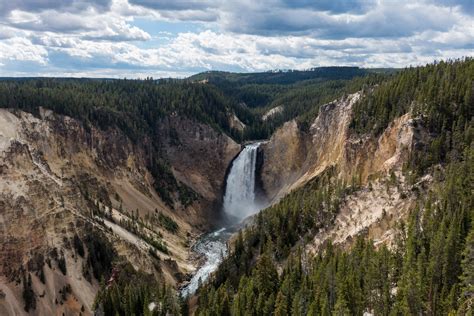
{"points": [[140, 38]]}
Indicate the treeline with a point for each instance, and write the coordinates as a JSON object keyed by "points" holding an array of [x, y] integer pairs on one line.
{"points": [[441, 94], [134, 106]]}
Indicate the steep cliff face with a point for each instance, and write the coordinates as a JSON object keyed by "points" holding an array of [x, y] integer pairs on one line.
{"points": [[293, 157], [65, 187], [199, 156], [308, 153], [283, 158]]}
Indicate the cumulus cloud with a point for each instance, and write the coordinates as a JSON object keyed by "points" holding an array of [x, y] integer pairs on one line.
{"points": [[89, 24], [60, 5], [387, 19], [22, 49], [102, 38]]}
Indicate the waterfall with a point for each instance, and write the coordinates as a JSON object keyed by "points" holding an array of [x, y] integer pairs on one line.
{"points": [[239, 202], [239, 197]]}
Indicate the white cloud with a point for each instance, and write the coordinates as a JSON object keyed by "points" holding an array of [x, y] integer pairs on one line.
{"points": [[76, 6], [88, 25], [22, 49], [76, 38]]}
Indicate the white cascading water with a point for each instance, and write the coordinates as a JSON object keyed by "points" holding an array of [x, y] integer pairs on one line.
{"points": [[239, 197], [239, 202]]}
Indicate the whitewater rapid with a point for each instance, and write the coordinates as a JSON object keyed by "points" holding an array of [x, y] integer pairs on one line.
{"points": [[214, 247]]}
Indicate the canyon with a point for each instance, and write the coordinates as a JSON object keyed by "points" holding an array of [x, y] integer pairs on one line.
{"points": [[51, 163], [194, 193]]}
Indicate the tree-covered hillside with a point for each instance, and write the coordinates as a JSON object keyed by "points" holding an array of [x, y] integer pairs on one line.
{"points": [[442, 94], [298, 93], [135, 106], [280, 77], [429, 271]]}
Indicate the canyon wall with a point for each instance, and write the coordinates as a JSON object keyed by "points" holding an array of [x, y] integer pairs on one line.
{"points": [[62, 182]]}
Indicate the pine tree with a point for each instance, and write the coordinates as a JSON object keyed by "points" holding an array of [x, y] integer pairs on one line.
{"points": [[342, 307], [281, 306], [467, 297]]}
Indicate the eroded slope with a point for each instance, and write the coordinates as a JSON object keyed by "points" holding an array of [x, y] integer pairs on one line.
{"points": [[66, 187]]}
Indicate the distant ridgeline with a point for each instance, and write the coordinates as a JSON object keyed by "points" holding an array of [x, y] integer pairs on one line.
{"points": [[282, 77], [298, 92], [431, 267]]}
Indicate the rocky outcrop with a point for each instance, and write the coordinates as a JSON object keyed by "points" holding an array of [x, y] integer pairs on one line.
{"points": [[236, 123], [283, 158], [292, 157], [272, 112], [373, 210], [198, 154]]}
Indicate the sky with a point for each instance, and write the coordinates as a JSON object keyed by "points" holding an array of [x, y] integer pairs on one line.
{"points": [[177, 38]]}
